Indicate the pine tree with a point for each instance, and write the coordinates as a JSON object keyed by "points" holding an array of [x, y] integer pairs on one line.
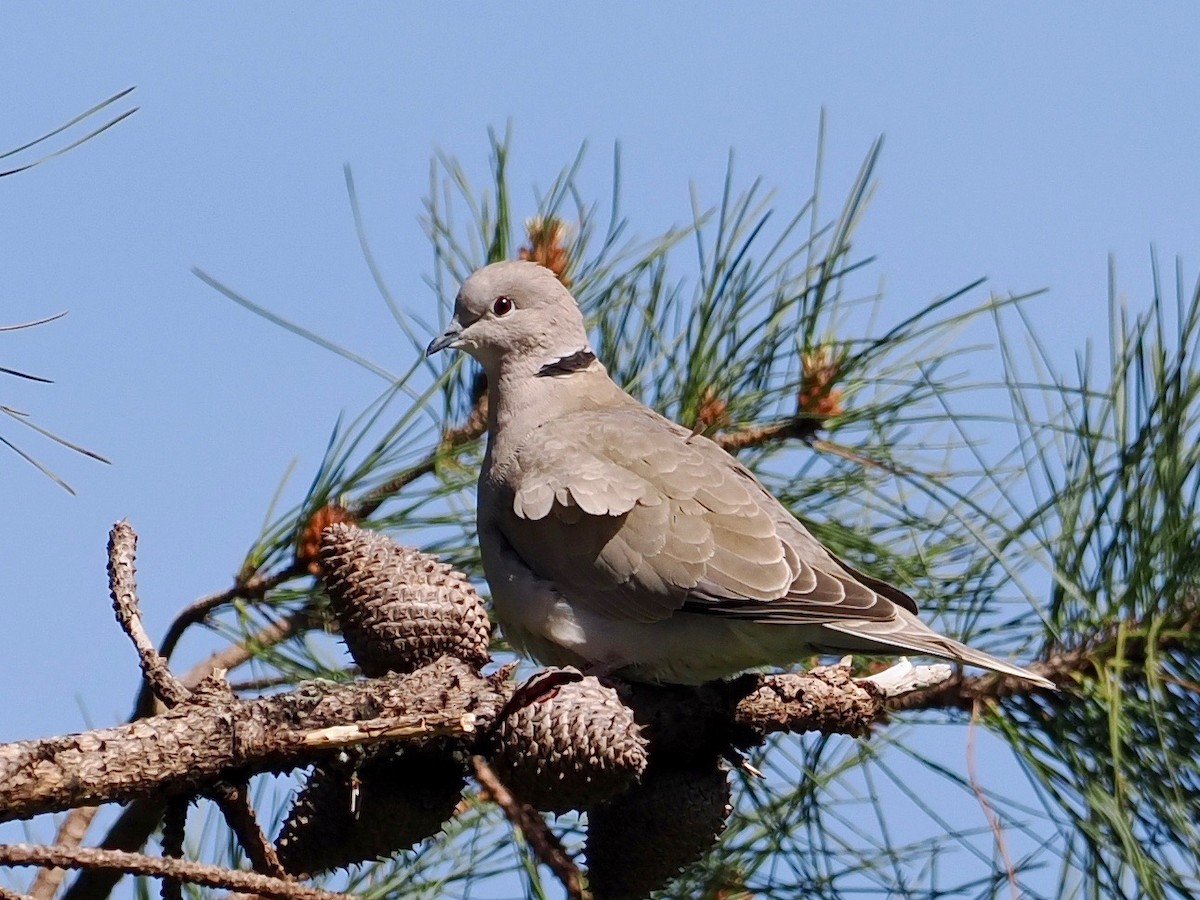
{"points": [[1039, 514]]}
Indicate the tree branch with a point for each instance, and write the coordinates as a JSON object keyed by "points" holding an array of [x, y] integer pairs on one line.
{"points": [[218, 738], [71, 831], [252, 588], [159, 867], [122, 585], [1065, 667], [138, 820], [525, 818], [799, 427], [452, 439], [234, 802]]}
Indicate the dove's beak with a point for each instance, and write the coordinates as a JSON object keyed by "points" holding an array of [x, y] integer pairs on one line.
{"points": [[448, 338]]}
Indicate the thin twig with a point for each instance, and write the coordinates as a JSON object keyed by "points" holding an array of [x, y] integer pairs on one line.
{"points": [[71, 832], [526, 819], [253, 588], [453, 438], [157, 867], [256, 587], [234, 655], [270, 682], [475, 425], [1063, 667], [375, 499], [234, 802], [129, 832], [802, 428], [989, 813], [961, 691], [757, 435], [122, 547], [229, 658], [138, 820]]}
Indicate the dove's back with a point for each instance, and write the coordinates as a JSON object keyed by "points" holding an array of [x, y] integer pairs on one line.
{"points": [[616, 540]]}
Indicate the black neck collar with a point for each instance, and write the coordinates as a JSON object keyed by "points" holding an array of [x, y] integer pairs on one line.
{"points": [[580, 359]]}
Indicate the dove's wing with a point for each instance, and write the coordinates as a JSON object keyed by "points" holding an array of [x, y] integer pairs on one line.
{"points": [[632, 517]]}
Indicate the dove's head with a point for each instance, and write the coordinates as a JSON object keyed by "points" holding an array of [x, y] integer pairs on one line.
{"points": [[516, 314]]}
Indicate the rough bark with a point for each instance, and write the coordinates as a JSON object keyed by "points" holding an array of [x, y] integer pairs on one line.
{"points": [[224, 738], [217, 737]]}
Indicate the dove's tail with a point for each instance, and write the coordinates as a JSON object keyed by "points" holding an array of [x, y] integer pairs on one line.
{"points": [[906, 633]]}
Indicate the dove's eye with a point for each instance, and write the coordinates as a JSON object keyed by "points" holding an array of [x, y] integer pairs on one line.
{"points": [[502, 306]]}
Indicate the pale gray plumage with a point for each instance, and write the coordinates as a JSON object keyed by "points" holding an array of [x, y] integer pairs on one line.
{"points": [[616, 540]]}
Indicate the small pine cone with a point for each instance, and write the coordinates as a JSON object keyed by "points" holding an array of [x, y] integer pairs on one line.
{"points": [[400, 609], [570, 748], [547, 246], [712, 412], [401, 800], [308, 548], [818, 397], [640, 840]]}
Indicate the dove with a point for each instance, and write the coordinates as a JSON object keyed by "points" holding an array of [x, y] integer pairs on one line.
{"points": [[619, 542]]}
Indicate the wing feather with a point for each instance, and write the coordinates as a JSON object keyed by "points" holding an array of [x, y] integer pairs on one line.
{"points": [[634, 518]]}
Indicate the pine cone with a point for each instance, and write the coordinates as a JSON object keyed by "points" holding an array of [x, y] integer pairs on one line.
{"points": [[640, 840], [308, 547], [402, 798], [547, 246], [400, 609], [712, 412], [819, 397], [569, 748]]}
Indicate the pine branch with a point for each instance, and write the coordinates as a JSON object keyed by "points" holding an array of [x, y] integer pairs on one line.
{"points": [[526, 819], [184, 870], [217, 738]]}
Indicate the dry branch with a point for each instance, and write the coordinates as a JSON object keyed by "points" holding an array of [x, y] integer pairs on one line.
{"points": [[71, 832], [159, 867], [138, 820], [194, 745], [525, 818], [234, 802], [223, 738], [211, 739], [122, 545], [737, 439]]}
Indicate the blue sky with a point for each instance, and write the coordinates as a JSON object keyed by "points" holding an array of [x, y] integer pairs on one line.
{"points": [[1024, 142]]}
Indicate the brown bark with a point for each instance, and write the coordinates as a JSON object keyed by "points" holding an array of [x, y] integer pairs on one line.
{"points": [[217, 737], [222, 738], [161, 867]]}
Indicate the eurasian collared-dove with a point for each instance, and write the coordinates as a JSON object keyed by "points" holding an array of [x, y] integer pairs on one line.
{"points": [[618, 541]]}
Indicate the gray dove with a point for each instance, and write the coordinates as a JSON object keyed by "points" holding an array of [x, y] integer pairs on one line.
{"points": [[620, 542]]}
